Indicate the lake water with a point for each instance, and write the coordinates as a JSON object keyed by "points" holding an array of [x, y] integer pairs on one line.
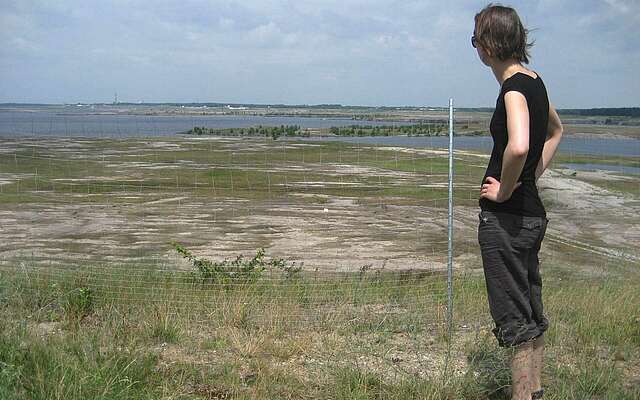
{"points": [[607, 167], [47, 123], [574, 145]]}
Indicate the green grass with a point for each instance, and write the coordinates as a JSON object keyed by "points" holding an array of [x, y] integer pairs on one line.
{"points": [[210, 170], [628, 187], [72, 366], [128, 334], [593, 159]]}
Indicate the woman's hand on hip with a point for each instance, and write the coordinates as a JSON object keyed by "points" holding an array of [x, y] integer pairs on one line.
{"points": [[494, 191]]}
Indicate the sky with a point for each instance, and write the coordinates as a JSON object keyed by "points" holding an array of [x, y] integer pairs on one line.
{"points": [[351, 52]]}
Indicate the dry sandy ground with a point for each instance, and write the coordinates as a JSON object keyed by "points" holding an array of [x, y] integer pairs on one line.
{"points": [[346, 236], [334, 233]]}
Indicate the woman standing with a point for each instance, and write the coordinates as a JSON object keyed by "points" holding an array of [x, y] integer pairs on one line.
{"points": [[526, 131]]}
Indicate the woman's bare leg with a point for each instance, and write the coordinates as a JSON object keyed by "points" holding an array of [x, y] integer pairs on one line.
{"points": [[520, 371], [536, 364]]}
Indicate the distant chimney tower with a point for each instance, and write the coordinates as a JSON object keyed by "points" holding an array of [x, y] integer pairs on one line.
{"points": [[115, 98]]}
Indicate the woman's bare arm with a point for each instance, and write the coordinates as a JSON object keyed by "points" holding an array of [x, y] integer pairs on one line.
{"points": [[554, 134], [515, 153]]}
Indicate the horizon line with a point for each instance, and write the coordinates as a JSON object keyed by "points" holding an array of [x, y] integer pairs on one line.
{"points": [[329, 105]]}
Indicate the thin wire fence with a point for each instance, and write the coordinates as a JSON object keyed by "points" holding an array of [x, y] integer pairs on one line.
{"points": [[354, 228]]}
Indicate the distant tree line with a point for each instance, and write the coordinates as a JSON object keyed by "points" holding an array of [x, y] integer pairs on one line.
{"points": [[351, 130], [390, 130], [268, 131]]}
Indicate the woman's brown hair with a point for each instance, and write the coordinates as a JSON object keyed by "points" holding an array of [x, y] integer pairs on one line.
{"points": [[501, 33]]}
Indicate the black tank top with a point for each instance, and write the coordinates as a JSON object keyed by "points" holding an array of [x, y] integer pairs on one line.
{"points": [[525, 199]]}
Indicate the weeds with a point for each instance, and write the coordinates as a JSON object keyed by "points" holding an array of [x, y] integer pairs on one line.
{"points": [[489, 368], [78, 303], [236, 271], [163, 327], [244, 344]]}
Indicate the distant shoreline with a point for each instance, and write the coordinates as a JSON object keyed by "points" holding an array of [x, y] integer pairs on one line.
{"points": [[397, 115], [137, 120]]}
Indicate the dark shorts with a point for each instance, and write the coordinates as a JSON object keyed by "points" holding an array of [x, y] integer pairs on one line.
{"points": [[509, 245]]}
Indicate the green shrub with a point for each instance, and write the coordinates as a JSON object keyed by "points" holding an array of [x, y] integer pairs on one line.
{"points": [[236, 271]]}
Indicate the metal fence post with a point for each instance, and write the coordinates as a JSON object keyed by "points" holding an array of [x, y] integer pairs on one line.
{"points": [[450, 225]]}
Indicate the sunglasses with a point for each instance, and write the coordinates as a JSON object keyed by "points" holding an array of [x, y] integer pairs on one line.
{"points": [[473, 41]]}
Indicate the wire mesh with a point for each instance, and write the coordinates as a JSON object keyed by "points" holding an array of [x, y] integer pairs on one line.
{"points": [[105, 202], [354, 228]]}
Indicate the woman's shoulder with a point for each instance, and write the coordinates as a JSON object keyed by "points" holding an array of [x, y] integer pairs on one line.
{"points": [[522, 82], [525, 74]]}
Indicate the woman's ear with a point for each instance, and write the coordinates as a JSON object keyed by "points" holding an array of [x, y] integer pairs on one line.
{"points": [[484, 57], [486, 51]]}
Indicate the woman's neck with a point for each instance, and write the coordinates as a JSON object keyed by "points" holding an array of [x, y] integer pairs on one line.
{"points": [[504, 69]]}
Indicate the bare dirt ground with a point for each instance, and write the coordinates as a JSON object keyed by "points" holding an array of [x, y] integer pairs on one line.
{"points": [[322, 222]]}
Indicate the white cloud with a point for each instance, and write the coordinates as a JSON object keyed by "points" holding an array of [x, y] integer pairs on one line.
{"points": [[312, 51], [627, 7]]}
